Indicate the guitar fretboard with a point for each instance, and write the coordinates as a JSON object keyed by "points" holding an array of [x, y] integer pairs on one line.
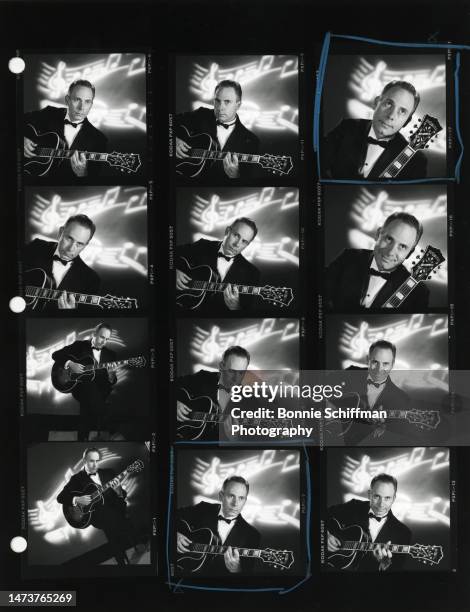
{"points": [[219, 155], [214, 286], [398, 163], [369, 546], [214, 549], [67, 154], [401, 293], [54, 294], [107, 486]]}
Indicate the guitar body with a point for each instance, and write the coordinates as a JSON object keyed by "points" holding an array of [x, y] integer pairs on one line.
{"points": [[64, 380], [191, 562], [40, 166], [193, 167], [346, 559], [190, 299], [37, 277], [194, 430], [79, 516]]}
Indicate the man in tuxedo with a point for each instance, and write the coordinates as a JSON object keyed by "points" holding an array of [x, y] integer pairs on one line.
{"points": [[90, 394], [73, 127], [62, 263], [226, 259], [378, 522], [213, 385], [358, 149], [224, 126], [110, 516], [226, 523], [360, 279]]}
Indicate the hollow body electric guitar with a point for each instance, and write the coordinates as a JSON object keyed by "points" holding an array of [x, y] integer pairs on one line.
{"points": [[429, 127], [205, 151], [208, 544], [64, 380], [356, 543], [205, 281], [80, 515], [427, 265], [40, 290], [52, 150]]}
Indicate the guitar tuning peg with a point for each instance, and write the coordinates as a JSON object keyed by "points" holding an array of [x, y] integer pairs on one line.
{"points": [[415, 125], [429, 277], [422, 250], [420, 120]]}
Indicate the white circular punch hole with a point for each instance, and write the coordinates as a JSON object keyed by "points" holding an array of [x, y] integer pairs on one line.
{"points": [[16, 65], [18, 544], [17, 304]]}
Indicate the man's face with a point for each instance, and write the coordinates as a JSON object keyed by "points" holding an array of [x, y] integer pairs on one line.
{"points": [[73, 238], [394, 243], [79, 103], [91, 462], [101, 337], [237, 238], [380, 364], [233, 498], [381, 496], [226, 104], [232, 370], [392, 109]]}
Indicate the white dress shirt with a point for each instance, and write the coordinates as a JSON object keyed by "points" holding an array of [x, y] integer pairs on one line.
{"points": [[373, 393], [59, 270], [224, 528], [96, 354], [224, 133], [375, 285], [373, 153], [223, 266], [375, 527], [70, 132]]}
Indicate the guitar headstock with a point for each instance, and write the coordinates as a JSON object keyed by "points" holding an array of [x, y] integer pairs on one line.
{"points": [[427, 554], [119, 303], [428, 263], [136, 466], [427, 419], [280, 296], [126, 162], [429, 127], [279, 558], [137, 362], [277, 164]]}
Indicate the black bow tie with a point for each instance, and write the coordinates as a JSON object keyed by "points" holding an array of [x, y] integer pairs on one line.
{"points": [[381, 143], [376, 385], [225, 257], [385, 275], [225, 125], [222, 518], [68, 122], [64, 262], [95, 348], [377, 518]]}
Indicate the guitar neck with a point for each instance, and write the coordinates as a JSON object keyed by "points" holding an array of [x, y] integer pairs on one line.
{"points": [[398, 163], [54, 294], [220, 287], [107, 486], [206, 417], [110, 365], [401, 293], [214, 549], [220, 155], [369, 546], [68, 153]]}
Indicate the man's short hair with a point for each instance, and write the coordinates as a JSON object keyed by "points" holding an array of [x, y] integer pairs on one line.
{"points": [[248, 222], [407, 87], [91, 449], [387, 478], [81, 83], [238, 351], [383, 344], [102, 326], [410, 220], [82, 220], [238, 479], [227, 83]]}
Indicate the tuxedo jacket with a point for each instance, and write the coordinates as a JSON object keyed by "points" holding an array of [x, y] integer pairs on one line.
{"points": [[241, 140], [80, 277], [114, 498], [391, 397], [348, 277], [51, 119], [355, 512], [78, 350], [242, 272], [344, 151], [242, 535]]}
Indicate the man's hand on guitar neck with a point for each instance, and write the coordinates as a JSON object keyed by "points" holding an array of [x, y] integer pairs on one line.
{"points": [[383, 555], [232, 560], [79, 164], [182, 412], [29, 147], [66, 301], [181, 148], [182, 543], [182, 280], [334, 544], [231, 167], [232, 297]]}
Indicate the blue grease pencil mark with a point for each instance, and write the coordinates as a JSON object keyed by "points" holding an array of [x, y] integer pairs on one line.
{"points": [[403, 44], [457, 116], [318, 94]]}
